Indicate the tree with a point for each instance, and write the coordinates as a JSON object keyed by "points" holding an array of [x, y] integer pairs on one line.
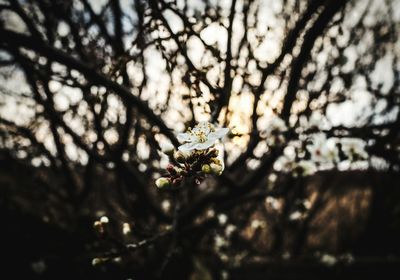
{"points": [[92, 90]]}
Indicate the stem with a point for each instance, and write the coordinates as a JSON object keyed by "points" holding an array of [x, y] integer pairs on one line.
{"points": [[174, 231]]}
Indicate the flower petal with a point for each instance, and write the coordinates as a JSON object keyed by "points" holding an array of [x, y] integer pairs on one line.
{"points": [[188, 147], [184, 137], [205, 145], [219, 133]]}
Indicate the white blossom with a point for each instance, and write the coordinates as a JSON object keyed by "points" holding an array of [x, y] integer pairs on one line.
{"points": [[104, 220], [308, 167], [274, 131], [306, 204], [318, 120], [284, 164], [166, 205], [354, 148], [126, 228], [297, 215], [328, 260], [210, 213], [322, 150], [332, 154], [201, 137], [96, 261], [117, 260], [222, 219], [275, 124], [167, 148], [229, 230], [220, 241], [275, 203], [257, 224]]}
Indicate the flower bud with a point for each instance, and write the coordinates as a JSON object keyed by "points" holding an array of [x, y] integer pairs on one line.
{"points": [[214, 153], [98, 261], [126, 228], [167, 148], [216, 168], [98, 227], [215, 160], [171, 169], [162, 182], [117, 260], [104, 220], [180, 156], [206, 169]]}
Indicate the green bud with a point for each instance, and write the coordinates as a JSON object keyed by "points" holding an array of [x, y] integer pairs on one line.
{"points": [[216, 168], [162, 182], [205, 168], [215, 161]]}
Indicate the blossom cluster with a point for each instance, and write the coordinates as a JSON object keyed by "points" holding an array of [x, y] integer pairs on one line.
{"points": [[323, 150], [195, 158], [322, 153]]}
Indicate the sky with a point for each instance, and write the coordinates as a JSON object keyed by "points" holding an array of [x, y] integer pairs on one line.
{"points": [[350, 112]]}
